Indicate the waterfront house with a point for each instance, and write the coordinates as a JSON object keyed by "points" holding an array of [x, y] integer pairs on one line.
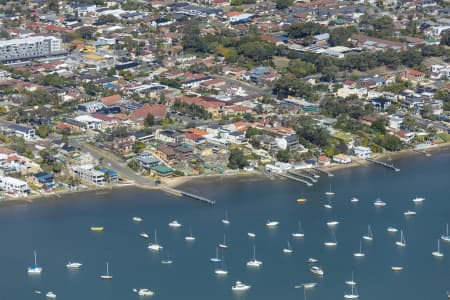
{"points": [[87, 173], [147, 161], [161, 170], [110, 175], [362, 152], [323, 160], [342, 159], [13, 185]]}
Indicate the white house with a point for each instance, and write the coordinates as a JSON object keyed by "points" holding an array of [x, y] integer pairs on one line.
{"points": [[90, 122], [395, 121], [13, 185], [25, 132], [362, 152], [342, 159], [87, 173]]}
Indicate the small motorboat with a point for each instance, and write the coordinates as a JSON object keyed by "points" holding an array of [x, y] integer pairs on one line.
{"points": [[239, 286]]}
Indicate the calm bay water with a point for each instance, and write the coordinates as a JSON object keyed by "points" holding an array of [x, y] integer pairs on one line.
{"points": [[59, 230]]}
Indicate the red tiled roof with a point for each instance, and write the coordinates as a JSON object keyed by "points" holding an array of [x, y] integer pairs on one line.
{"points": [[156, 110], [111, 100]]}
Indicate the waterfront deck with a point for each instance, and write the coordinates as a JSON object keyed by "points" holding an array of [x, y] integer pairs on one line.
{"points": [[295, 178], [384, 164], [301, 174], [323, 171], [422, 152], [189, 195]]}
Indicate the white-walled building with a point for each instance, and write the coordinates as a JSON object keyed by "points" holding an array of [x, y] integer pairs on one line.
{"points": [[362, 152], [87, 173], [30, 47], [13, 185]]}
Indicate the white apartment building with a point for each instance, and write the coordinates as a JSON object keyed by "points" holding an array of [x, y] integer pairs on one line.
{"points": [[31, 47]]}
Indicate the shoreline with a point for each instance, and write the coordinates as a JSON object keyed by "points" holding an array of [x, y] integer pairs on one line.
{"points": [[257, 175]]}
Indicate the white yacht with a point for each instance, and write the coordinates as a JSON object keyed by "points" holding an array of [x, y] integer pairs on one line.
{"points": [[353, 294], [106, 276], [74, 265], [438, 252], [360, 253], [137, 219], [369, 235], [190, 237], [251, 234], [351, 282], [418, 199], [392, 229], [144, 235], [272, 223], [446, 237], [409, 213], [288, 249], [309, 285], [354, 200], [379, 203], [402, 242], [299, 233], [35, 269], [224, 244], [330, 193], [332, 223], [50, 295], [328, 205], [239, 286], [332, 242], [397, 268], [316, 270], [312, 260], [155, 246], [215, 259], [144, 292], [174, 224], [167, 260], [222, 271], [225, 220], [254, 263]]}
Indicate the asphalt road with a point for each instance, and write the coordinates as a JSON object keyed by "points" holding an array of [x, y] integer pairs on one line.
{"points": [[113, 162]]}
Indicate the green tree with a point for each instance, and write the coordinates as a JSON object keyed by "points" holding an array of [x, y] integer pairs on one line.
{"points": [[445, 38], [43, 131], [300, 68], [149, 121], [379, 126], [283, 155], [237, 160], [302, 30], [138, 147], [283, 4], [340, 36]]}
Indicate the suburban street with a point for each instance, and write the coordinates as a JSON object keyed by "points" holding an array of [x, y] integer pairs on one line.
{"points": [[113, 162]]}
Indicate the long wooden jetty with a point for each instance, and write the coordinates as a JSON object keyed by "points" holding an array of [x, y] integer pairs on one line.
{"points": [[323, 171], [389, 166], [422, 152], [295, 178], [302, 175], [310, 173], [189, 195]]}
